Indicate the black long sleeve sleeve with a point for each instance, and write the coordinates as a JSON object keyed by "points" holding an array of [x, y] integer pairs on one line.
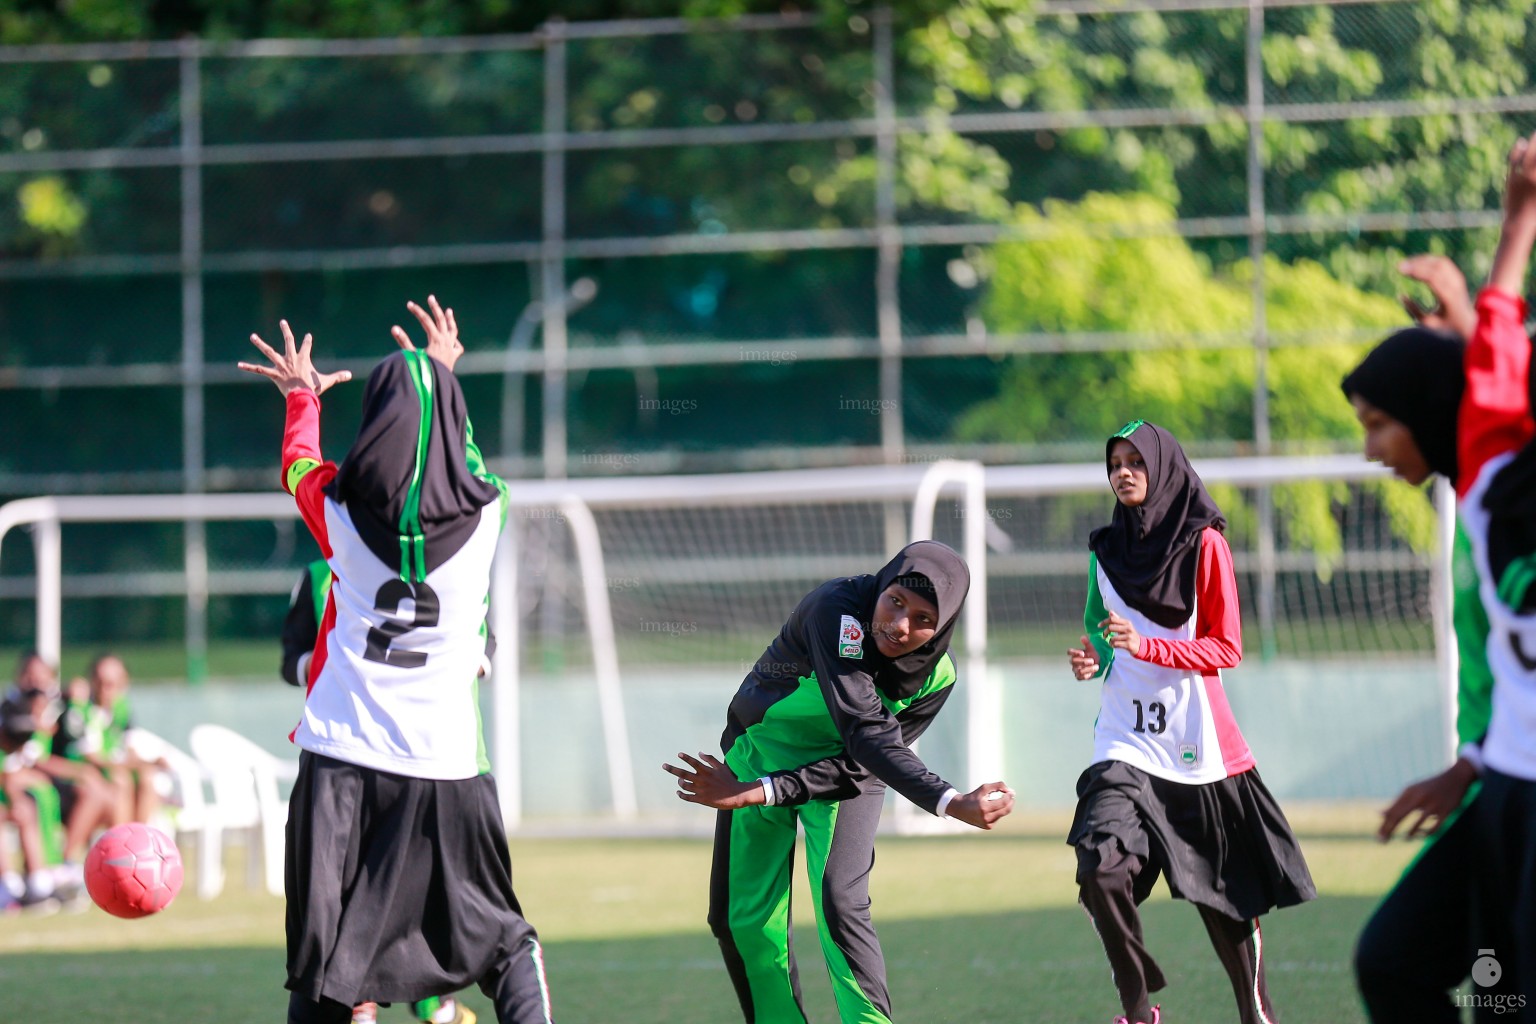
{"points": [[841, 777]]}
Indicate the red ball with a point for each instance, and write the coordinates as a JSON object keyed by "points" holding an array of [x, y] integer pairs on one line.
{"points": [[133, 870]]}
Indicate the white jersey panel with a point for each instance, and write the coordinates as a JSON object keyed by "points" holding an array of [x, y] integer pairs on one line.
{"points": [[398, 688], [1510, 746], [1156, 718]]}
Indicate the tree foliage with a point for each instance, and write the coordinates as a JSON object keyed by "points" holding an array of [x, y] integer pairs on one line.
{"points": [[1195, 374]]}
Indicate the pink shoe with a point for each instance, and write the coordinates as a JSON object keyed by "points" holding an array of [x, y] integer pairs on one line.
{"points": [[1157, 1017]]}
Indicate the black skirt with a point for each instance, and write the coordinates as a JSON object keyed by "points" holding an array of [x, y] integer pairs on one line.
{"points": [[399, 888], [1224, 845]]}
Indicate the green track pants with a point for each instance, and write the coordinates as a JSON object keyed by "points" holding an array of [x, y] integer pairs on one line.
{"points": [[749, 908]]}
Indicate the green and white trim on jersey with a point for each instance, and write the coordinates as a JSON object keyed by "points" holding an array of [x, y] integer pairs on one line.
{"points": [[798, 729]]}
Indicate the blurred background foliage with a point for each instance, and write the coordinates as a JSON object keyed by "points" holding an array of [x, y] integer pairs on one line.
{"points": [[1123, 285]]}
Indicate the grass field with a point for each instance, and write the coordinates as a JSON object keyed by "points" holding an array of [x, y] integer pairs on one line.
{"points": [[976, 928]]}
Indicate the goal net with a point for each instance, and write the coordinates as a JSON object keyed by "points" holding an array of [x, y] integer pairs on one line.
{"points": [[629, 609]]}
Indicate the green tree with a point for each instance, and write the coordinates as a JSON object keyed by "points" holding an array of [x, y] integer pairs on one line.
{"points": [[1195, 373]]}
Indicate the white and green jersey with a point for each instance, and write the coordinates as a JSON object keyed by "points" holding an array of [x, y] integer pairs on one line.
{"points": [[392, 684], [1165, 710]]}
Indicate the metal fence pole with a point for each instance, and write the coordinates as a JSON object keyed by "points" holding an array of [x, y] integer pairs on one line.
{"points": [[888, 267], [1442, 584], [552, 287], [553, 264], [1267, 560], [195, 533]]}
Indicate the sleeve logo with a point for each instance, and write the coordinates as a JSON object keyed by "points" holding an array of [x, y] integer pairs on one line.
{"points": [[850, 639]]}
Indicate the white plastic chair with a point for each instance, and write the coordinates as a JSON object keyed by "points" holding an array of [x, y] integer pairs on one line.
{"points": [[184, 807], [245, 800]]}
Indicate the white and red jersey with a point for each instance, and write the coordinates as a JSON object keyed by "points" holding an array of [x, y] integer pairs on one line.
{"points": [[1165, 710], [392, 684], [1495, 423]]}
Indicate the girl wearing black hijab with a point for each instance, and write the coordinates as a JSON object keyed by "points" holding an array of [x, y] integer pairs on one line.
{"points": [[1419, 945], [398, 878], [818, 729], [1172, 789]]}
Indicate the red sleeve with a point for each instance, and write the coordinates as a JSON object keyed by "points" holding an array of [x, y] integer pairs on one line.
{"points": [[305, 473], [1496, 408], [1218, 641]]}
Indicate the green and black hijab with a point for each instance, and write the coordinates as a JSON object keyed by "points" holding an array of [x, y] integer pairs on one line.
{"points": [[406, 482], [1150, 552], [937, 573]]}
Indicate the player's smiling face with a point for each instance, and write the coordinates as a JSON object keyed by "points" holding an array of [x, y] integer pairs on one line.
{"points": [[903, 621], [1127, 473], [1389, 442]]}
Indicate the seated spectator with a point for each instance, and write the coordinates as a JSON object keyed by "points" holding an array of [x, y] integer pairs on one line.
{"points": [[84, 799], [93, 731], [21, 786]]}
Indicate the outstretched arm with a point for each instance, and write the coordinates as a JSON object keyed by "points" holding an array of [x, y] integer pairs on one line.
{"points": [[304, 472], [1495, 410]]}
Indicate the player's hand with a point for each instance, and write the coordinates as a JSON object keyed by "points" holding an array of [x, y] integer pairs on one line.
{"points": [[1085, 660], [1432, 798], [707, 781], [292, 369], [1453, 310], [1520, 185], [980, 807], [442, 332], [1119, 633]]}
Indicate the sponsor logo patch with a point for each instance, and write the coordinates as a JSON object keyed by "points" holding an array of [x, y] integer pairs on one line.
{"points": [[850, 639], [1189, 754]]}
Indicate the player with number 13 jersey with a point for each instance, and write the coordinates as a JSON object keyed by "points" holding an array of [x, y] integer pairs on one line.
{"points": [[1172, 789]]}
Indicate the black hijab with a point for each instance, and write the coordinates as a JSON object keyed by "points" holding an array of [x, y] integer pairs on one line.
{"points": [[937, 573], [406, 483], [1150, 552], [1417, 376]]}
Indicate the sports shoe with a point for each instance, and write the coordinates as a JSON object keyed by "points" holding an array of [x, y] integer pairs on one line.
{"points": [[36, 904], [1157, 1017]]}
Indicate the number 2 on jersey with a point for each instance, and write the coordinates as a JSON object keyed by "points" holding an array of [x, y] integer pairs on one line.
{"points": [[391, 594], [1159, 717]]}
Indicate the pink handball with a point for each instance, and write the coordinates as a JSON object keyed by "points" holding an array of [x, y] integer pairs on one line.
{"points": [[133, 870]]}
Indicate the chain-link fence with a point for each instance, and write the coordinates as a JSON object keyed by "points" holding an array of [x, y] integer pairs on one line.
{"points": [[777, 241]]}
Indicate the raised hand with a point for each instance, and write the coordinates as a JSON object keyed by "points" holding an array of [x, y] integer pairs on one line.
{"points": [[291, 369], [442, 332], [1520, 185], [709, 782], [1518, 231], [1453, 310], [1085, 660]]}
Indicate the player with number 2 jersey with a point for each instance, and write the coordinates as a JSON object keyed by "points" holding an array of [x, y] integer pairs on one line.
{"points": [[398, 876]]}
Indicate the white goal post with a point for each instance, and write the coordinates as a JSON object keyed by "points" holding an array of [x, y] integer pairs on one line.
{"points": [[909, 495]]}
